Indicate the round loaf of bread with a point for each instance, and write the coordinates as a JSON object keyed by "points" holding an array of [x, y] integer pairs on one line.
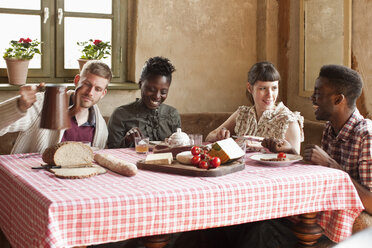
{"points": [[69, 154], [184, 157]]}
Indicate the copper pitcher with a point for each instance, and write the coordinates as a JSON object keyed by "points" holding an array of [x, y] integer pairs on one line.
{"points": [[55, 108]]}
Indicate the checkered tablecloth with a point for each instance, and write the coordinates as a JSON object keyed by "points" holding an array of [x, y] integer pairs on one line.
{"points": [[39, 210]]}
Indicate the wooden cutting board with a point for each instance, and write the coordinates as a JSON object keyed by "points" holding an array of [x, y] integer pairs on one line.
{"points": [[191, 170]]}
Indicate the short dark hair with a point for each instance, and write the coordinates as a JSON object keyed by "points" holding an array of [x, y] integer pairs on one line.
{"points": [[157, 66], [344, 80], [263, 71]]}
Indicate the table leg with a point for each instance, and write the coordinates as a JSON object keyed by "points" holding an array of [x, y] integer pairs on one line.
{"points": [[156, 241], [307, 230]]}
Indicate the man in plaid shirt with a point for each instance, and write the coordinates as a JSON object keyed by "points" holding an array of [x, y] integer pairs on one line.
{"points": [[347, 138]]}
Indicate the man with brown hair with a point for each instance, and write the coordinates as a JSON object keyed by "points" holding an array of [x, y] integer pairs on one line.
{"points": [[22, 113]]}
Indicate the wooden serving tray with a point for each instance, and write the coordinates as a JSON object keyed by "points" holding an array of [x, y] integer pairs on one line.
{"points": [[191, 170], [173, 150]]}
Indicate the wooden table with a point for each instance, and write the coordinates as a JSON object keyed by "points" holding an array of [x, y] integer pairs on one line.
{"points": [[39, 210]]}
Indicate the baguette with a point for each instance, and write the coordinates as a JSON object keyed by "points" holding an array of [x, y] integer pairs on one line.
{"points": [[115, 164]]}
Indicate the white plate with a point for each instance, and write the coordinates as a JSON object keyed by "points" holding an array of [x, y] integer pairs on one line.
{"points": [[292, 158], [249, 137], [153, 142]]}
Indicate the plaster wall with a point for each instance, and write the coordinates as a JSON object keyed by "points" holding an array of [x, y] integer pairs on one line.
{"points": [[294, 101], [211, 44]]}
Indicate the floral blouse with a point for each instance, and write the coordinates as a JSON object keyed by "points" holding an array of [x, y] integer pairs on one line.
{"points": [[273, 123]]}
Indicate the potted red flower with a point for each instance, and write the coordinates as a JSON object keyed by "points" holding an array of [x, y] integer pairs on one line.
{"points": [[93, 50], [17, 58]]}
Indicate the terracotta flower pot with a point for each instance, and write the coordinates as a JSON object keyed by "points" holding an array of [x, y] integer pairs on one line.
{"points": [[82, 63], [17, 70]]}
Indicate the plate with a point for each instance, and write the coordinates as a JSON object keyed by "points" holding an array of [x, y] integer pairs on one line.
{"points": [[292, 158], [249, 137], [154, 143]]}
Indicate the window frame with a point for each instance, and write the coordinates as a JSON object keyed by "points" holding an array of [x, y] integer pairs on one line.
{"points": [[52, 36]]}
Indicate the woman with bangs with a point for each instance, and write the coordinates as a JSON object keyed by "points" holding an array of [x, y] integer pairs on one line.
{"points": [[280, 127]]}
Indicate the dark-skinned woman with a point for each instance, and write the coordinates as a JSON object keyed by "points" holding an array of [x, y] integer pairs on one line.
{"points": [[147, 116]]}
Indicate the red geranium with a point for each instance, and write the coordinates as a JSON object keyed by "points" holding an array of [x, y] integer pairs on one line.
{"points": [[22, 49], [95, 49], [23, 40], [96, 42]]}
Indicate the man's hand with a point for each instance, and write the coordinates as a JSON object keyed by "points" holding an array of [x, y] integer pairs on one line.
{"points": [[28, 96], [130, 135], [278, 145], [223, 133], [317, 155]]}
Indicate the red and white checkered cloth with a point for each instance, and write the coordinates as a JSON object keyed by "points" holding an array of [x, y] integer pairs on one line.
{"points": [[39, 210]]}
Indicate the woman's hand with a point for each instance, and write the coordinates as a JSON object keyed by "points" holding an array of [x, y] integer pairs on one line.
{"points": [[223, 133], [130, 136], [278, 145]]}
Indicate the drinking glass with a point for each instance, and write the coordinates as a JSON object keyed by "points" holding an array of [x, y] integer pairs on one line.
{"points": [[196, 139], [243, 145], [141, 145]]}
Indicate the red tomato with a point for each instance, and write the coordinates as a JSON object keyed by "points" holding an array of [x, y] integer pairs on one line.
{"points": [[195, 160], [195, 150], [215, 162], [203, 164], [281, 155], [205, 156]]}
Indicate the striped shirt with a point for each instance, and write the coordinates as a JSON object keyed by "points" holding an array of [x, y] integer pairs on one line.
{"points": [[352, 147]]}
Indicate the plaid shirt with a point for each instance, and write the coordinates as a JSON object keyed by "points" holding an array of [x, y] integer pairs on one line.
{"points": [[352, 147]]}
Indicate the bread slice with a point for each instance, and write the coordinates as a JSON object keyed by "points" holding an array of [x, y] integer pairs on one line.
{"points": [[100, 169], [69, 154], [76, 173]]}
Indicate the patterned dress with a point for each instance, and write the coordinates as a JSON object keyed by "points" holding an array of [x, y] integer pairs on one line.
{"points": [[273, 123]]}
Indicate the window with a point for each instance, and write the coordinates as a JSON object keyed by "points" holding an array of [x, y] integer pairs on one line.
{"points": [[60, 24], [325, 38]]}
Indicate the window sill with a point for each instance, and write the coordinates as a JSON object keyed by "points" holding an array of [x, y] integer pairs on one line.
{"points": [[112, 86]]}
